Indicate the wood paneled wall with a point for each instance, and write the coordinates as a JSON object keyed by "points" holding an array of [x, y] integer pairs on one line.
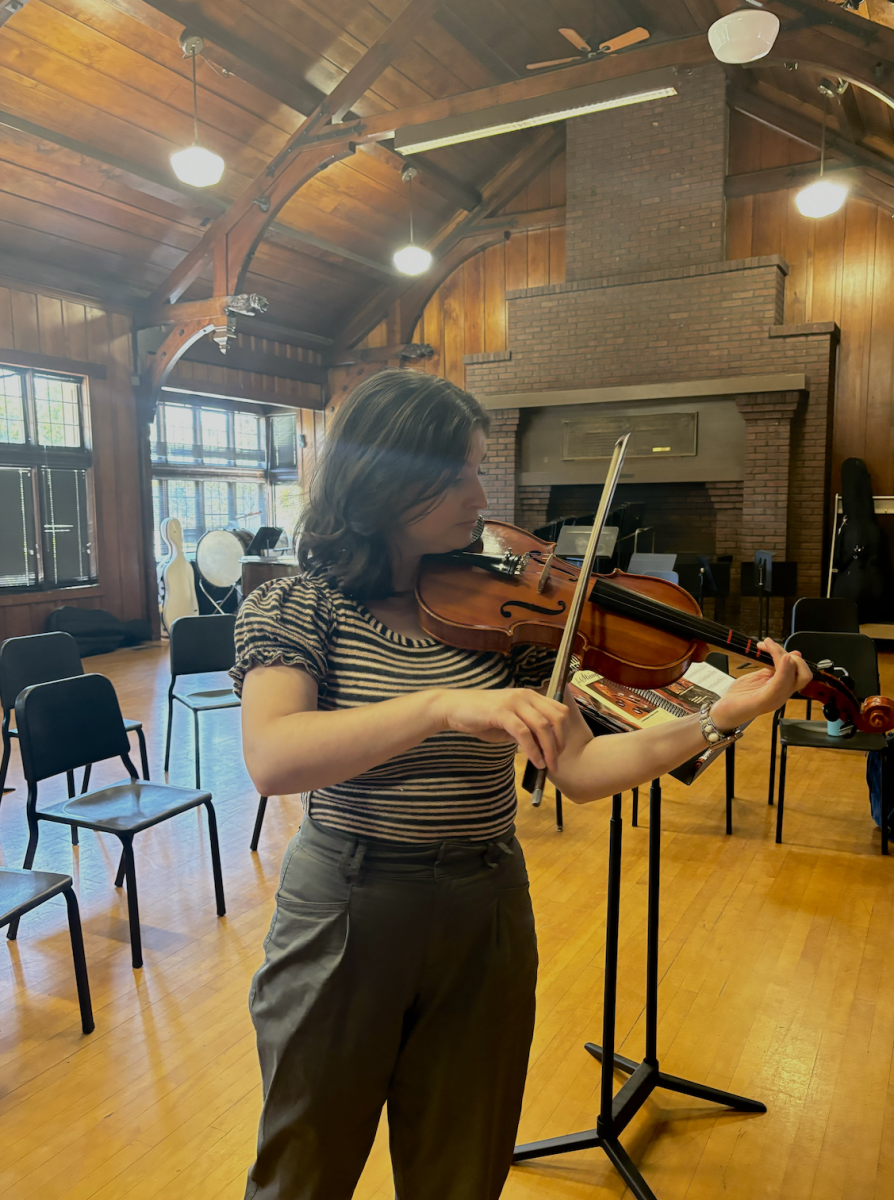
{"points": [[841, 269], [65, 327], [467, 314]]}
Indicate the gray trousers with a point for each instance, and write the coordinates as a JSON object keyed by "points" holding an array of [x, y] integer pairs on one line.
{"points": [[402, 976]]}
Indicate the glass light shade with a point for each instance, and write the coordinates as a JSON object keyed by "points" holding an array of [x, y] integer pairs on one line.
{"points": [[412, 260], [197, 166], [743, 36], [820, 199]]}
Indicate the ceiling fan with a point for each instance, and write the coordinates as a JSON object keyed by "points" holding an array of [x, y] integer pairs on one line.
{"points": [[590, 49]]}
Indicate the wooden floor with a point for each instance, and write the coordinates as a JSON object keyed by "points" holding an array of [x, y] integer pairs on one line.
{"points": [[777, 980]]}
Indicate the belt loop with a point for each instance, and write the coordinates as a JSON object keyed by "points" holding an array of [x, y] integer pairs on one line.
{"points": [[495, 853], [352, 859]]}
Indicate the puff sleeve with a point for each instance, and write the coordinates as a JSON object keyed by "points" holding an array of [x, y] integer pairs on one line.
{"points": [[286, 622]]}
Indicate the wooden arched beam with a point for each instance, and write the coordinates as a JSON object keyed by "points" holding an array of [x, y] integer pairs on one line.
{"points": [[191, 322], [413, 301]]}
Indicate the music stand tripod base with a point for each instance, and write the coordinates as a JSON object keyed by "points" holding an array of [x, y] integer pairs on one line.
{"points": [[617, 1111]]}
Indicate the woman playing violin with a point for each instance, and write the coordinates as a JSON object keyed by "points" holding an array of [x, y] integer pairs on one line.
{"points": [[401, 962]]}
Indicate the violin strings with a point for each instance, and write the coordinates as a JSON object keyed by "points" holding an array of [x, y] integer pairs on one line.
{"points": [[637, 605]]}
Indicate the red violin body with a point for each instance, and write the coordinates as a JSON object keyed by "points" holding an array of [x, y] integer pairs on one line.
{"points": [[509, 589]]}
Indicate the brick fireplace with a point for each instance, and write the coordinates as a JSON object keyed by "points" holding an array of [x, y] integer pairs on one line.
{"points": [[651, 309]]}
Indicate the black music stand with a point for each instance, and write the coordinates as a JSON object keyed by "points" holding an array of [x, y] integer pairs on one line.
{"points": [[765, 578], [617, 1111]]}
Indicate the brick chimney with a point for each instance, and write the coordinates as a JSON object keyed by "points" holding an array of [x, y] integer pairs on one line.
{"points": [[645, 182], [651, 302]]}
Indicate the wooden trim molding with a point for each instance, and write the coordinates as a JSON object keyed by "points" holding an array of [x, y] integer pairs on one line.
{"points": [[50, 362], [57, 595], [686, 389]]}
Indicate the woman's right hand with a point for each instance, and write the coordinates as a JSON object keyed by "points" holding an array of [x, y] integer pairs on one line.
{"points": [[534, 722]]}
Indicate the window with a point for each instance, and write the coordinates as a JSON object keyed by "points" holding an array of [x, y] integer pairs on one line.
{"points": [[46, 501], [212, 468]]}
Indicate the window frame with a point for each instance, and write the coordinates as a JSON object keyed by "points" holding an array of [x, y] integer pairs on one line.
{"points": [[200, 468], [36, 458]]}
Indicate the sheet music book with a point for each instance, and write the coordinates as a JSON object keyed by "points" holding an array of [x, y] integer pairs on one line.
{"points": [[617, 708]]}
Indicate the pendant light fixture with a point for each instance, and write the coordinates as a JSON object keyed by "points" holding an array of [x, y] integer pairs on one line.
{"points": [[411, 259], [195, 165], [745, 35], [822, 198]]}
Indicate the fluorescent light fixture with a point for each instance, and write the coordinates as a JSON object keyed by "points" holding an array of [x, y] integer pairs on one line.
{"points": [[536, 110]]}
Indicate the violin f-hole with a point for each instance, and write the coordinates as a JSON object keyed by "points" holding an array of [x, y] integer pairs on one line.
{"points": [[537, 608]]}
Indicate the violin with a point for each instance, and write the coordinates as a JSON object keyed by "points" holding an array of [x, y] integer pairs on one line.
{"points": [[509, 588]]}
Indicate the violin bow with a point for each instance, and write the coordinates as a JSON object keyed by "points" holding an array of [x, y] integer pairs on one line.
{"points": [[563, 657]]}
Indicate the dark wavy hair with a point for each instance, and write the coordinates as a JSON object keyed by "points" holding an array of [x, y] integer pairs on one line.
{"points": [[397, 442]]}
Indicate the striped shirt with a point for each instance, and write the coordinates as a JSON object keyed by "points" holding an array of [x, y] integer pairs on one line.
{"points": [[450, 786]]}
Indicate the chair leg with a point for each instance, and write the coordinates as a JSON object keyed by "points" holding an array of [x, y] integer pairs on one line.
{"points": [[133, 910], [33, 834], [168, 734], [119, 878], [634, 820], [259, 821], [809, 708], [887, 786], [144, 757], [80, 960], [195, 721], [7, 750], [215, 859], [730, 785], [560, 825], [85, 782], [70, 781], [782, 761], [773, 740]]}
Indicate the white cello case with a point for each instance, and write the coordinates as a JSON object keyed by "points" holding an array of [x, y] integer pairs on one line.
{"points": [[176, 581]]}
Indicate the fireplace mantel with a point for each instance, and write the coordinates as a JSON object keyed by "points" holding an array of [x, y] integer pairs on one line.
{"points": [[686, 389]]}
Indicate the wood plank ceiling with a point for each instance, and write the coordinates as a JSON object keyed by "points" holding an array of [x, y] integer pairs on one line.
{"points": [[95, 95]]}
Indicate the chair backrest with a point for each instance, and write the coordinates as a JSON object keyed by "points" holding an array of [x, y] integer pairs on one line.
{"points": [[825, 615], [719, 661], [855, 652], [38, 658], [200, 644], [68, 723]]}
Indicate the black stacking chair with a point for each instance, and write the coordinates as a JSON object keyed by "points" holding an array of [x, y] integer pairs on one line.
{"points": [[200, 645], [71, 722], [38, 659], [821, 614], [20, 891], [856, 653], [812, 614]]}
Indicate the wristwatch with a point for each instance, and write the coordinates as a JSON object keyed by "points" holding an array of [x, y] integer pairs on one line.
{"points": [[715, 737]]}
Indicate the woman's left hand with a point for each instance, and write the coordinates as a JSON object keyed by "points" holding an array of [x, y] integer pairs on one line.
{"points": [[762, 691]]}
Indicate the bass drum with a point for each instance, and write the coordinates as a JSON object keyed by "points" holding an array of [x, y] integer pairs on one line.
{"points": [[218, 554]]}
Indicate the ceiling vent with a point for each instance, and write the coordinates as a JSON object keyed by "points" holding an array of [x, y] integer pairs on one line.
{"points": [[653, 435]]}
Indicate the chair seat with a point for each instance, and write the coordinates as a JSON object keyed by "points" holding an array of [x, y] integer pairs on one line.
{"points": [[130, 727], [125, 807], [200, 701], [814, 735], [21, 890]]}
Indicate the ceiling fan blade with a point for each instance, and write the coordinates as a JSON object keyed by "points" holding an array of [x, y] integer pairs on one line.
{"points": [[576, 40], [630, 38], [553, 62]]}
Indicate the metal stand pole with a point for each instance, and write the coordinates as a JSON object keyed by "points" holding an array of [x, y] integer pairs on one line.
{"points": [[616, 1111]]}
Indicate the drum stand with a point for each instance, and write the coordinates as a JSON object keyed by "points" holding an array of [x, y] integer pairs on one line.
{"points": [[616, 1112]]}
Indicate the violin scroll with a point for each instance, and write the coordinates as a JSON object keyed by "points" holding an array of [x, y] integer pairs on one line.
{"points": [[877, 714]]}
